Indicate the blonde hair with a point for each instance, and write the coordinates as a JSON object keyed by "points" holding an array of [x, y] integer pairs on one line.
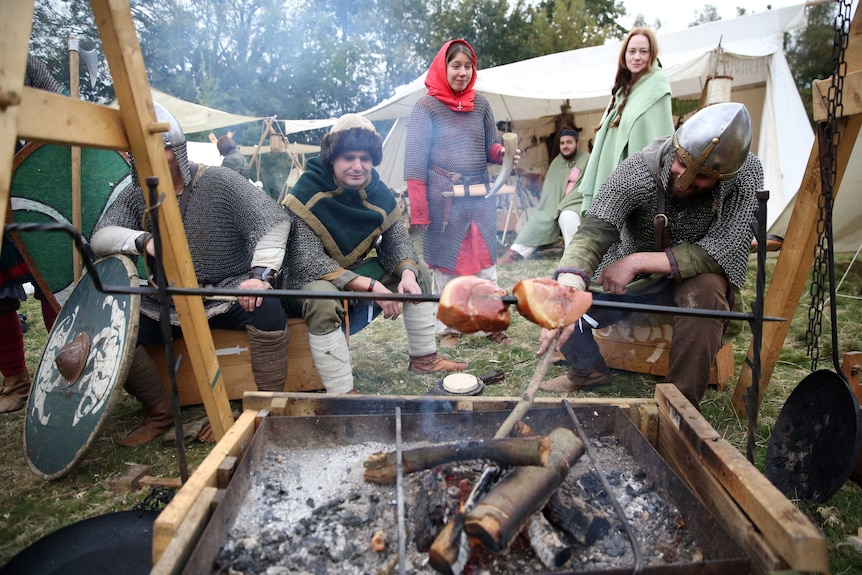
{"points": [[623, 80]]}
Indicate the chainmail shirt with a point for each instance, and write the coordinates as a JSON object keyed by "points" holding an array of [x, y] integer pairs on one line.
{"points": [[224, 219], [714, 227], [456, 142]]}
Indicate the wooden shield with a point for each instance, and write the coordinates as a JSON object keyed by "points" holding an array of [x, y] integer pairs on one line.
{"points": [[41, 192], [76, 386]]}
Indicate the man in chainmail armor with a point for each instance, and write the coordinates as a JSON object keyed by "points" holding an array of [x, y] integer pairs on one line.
{"points": [[692, 253], [340, 212], [237, 239]]}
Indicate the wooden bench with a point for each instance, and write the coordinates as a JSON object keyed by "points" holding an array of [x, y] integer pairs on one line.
{"points": [[232, 351], [641, 344]]}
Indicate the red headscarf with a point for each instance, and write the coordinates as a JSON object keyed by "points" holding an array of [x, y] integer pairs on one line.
{"points": [[437, 81]]}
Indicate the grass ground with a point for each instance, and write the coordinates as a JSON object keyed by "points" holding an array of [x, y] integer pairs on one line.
{"points": [[31, 507]]}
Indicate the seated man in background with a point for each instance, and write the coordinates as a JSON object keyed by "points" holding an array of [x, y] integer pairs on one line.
{"points": [[236, 237], [340, 211], [563, 176], [690, 252]]}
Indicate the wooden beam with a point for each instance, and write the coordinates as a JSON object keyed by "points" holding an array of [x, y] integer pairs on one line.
{"points": [[180, 549], [17, 18], [782, 525], [678, 455], [850, 106], [123, 52], [169, 520], [59, 119]]}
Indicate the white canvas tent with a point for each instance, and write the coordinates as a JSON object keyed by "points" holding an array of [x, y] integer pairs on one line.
{"points": [[529, 93]]}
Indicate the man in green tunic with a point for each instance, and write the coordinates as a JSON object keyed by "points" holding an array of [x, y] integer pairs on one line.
{"points": [[561, 181]]}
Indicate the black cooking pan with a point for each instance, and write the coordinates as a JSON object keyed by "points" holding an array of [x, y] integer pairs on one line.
{"points": [[815, 444], [118, 542]]}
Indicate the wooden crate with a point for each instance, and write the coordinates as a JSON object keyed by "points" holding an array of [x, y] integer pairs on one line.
{"points": [[641, 343], [235, 363]]}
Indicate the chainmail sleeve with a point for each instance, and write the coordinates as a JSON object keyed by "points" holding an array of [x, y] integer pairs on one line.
{"points": [[396, 251], [728, 239], [306, 258]]}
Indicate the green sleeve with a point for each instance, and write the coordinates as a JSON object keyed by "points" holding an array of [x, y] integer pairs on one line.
{"points": [[690, 260], [592, 240]]}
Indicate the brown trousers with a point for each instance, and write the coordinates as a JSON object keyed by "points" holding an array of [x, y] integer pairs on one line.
{"points": [[696, 341]]}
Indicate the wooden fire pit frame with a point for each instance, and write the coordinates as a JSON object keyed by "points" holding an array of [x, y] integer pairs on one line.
{"points": [[773, 531]]}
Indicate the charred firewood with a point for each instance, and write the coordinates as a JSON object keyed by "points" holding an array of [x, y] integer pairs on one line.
{"points": [[497, 519], [546, 542], [429, 503], [451, 548], [576, 518], [381, 467]]}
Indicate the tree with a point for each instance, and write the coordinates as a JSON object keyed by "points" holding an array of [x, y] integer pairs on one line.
{"points": [[809, 51], [709, 13], [560, 25]]}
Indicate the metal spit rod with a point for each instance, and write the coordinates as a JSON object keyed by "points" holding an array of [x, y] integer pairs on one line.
{"points": [[636, 548], [399, 466], [221, 293]]}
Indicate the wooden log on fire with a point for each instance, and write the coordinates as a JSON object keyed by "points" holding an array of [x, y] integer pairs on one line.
{"points": [[451, 548], [546, 542], [381, 467], [577, 518], [500, 515]]}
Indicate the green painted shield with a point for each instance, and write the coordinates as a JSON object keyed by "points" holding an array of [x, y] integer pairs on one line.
{"points": [[64, 417], [41, 192]]}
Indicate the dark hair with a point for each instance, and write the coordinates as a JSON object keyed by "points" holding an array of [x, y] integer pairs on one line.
{"points": [[456, 48], [334, 144], [225, 144]]}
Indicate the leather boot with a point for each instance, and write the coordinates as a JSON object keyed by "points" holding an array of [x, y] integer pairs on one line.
{"points": [[268, 351], [144, 382], [15, 391], [574, 380], [434, 362], [509, 258], [158, 420]]}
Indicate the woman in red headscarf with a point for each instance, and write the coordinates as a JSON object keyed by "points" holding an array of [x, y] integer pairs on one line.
{"points": [[451, 138]]}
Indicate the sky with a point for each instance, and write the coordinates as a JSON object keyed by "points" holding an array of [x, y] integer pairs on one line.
{"points": [[676, 15]]}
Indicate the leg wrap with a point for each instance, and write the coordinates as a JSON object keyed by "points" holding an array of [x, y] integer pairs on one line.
{"points": [[145, 381], [268, 350], [332, 359], [419, 324]]}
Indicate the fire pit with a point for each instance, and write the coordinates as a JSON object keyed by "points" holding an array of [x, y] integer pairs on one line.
{"points": [[298, 502]]}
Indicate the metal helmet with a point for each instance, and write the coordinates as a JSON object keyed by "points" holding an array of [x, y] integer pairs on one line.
{"points": [[175, 139], [713, 142]]}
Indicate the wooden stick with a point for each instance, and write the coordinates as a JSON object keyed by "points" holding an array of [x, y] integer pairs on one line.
{"points": [[526, 400]]}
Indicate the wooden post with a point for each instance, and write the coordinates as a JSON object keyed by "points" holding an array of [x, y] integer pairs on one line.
{"points": [[123, 52], [74, 92], [852, 369], [13, 66]]}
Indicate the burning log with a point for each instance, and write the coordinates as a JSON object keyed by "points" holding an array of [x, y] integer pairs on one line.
{"points": [[500, 516], [451, 549], [577, 518], [546, 543], [535, 451]]}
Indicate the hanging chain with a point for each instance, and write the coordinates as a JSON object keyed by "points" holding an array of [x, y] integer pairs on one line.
{"points": [[831, 137]]}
